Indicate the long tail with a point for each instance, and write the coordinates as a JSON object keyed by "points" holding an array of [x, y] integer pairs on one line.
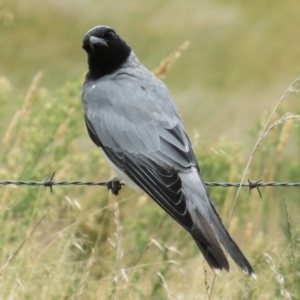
{"points": [[228, 243], [213, 254], [210, 246], [208, 230]]}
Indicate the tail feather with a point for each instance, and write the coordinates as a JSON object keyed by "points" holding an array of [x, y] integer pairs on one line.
{"points": [[208, 230], [206, 238], [214, 256], [229, 244]]}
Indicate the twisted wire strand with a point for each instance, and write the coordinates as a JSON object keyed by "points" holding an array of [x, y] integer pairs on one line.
{"points": [[106, 183], [254, 184], [48, 182]]}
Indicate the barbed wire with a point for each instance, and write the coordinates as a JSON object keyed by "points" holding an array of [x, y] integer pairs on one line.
{"points": [[48, 182]]}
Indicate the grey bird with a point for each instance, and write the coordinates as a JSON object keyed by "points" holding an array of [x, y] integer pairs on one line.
{"points": [[130, 115]]}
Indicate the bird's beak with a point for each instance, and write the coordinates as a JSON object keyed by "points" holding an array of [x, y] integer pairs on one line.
{"points": [[95, 41]]}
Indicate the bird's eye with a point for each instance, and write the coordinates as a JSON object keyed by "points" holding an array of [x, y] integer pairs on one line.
{"points": [[110, 35]]}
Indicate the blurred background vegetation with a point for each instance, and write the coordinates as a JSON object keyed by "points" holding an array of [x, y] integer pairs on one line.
{"points": [[243, 56]]}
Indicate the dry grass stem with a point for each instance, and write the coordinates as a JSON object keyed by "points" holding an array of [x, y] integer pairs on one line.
{"points": [[289, 90], [120, 274], [13, 255], [157, 244], [295, 88], [284, 136], [284, 293], [10, 132], [86, 274], [286, 117], [118, 232], [206, 284], [165, 286], [30, 94], [292, 246], [23, 137], [258, 142], [167, 63]]}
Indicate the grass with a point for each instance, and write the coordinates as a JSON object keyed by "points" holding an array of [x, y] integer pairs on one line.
{"points": [[84, 243]]}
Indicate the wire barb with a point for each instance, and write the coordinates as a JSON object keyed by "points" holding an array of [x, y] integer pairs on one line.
{"points": [[254, 185], [48, 182]]}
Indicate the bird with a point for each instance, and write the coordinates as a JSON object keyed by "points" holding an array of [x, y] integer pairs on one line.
{"points": [[130, 114]]}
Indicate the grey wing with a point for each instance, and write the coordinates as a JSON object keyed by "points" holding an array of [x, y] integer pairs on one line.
{"points": [[146, 141]]}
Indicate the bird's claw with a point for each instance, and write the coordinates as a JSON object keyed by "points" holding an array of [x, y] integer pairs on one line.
{"points": [[114, 185]]}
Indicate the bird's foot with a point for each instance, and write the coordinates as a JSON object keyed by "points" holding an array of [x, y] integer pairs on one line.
{"points": [[114, 185]]}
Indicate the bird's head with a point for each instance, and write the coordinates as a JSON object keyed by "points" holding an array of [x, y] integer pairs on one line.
{"points": [[105, 49]]}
